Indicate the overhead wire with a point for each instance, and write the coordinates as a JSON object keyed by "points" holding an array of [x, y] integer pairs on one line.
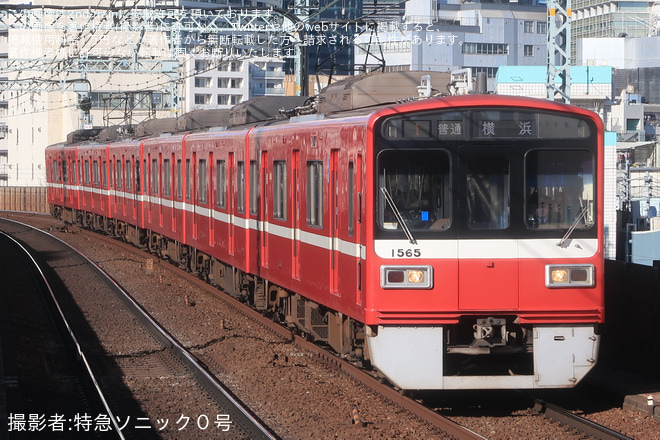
{"points": [[87, 31]]}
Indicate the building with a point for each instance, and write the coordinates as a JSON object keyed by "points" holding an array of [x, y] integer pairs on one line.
{"points": [[91, 74], [478, 36], [610, 18], [210, 84], [591, 86], [636, 62]]}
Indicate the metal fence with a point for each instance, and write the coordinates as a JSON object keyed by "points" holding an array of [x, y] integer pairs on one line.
{"points": [[23, 198]]}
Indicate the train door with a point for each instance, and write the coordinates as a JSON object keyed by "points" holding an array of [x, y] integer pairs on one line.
{"points": [[119, 184], [210, 199], [334, 222], [264, 210], [172, 190], [132, 185], [179, 205], [194, 195], [74, 181], [485, 252], [295, 203], [103, 184], [115, 183], [65, 178], [231, 172], [355, 218], [160, 183]]}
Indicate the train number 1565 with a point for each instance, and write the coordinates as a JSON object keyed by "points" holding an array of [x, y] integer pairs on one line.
{"points": [[406, 253]]}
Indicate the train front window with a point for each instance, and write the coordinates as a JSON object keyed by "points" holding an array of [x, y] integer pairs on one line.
{"points": [[417, 184], [559, 189], [488, 193]]}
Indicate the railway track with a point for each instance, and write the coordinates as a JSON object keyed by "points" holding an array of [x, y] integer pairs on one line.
{"points": [[452, 429], [583, 425], [232, 414], [34, 333], [293, 345]]}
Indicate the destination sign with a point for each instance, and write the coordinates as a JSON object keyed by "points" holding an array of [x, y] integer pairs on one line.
{"points": [[522, 128], [486, 124]]}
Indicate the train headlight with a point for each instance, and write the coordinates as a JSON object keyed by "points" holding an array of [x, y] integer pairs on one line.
{"points": [[569, 275], [406, 277]]}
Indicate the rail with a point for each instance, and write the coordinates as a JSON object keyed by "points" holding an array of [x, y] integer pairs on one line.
{"points": [[240, 415], [86, 368], [583, 425]]}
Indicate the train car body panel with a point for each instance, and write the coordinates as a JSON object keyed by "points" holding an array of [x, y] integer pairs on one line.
{"points": [[162, 185], [455, 243], [312, 178], [125, 158], [55, 156], [95, 192], [225, 155]]}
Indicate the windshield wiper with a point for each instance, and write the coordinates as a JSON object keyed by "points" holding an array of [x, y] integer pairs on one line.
{"points": [[397, 214], [568, 233]]}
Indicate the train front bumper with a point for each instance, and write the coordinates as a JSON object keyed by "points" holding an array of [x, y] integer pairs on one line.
{"points": [[412, 358]]}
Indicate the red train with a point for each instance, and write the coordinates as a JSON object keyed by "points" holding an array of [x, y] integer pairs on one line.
{"points": [[452, 242]]}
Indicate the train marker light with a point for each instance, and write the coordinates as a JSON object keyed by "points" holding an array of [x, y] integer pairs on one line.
{"points": [[395, 276], [415, 276], [569, 275], [559, 276], [406, 277]]}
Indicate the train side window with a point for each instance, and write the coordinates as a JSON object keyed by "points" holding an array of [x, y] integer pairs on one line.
{"points": [[279, 189], [315, 193], [145, 176], [254, 186], [104, 174], [74, 172], [138, 177], [203, 181], [221, 185], [351, 197], [65, 174], [118, 177], [56, 171], [179, 179], [167, 177], [154, 176], [95, 169], [240, 206], [188, 180], [86, 171], [129, 175]]}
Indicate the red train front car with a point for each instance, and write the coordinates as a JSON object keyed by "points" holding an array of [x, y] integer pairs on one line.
{"points": [[453, 243], [487, 263]]}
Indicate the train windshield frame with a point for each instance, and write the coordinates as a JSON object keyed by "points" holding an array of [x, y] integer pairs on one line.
{"points": [[485, 172]]}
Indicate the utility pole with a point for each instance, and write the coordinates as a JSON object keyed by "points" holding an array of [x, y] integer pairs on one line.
{"points": [[559, 50]]}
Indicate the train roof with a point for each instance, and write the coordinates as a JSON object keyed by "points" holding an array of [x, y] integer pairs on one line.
{"points": [[354, 96]]}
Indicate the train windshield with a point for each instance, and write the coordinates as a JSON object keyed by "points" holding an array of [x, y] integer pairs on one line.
{"points": [[488, 197], [559, 189], [415, 189]]}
